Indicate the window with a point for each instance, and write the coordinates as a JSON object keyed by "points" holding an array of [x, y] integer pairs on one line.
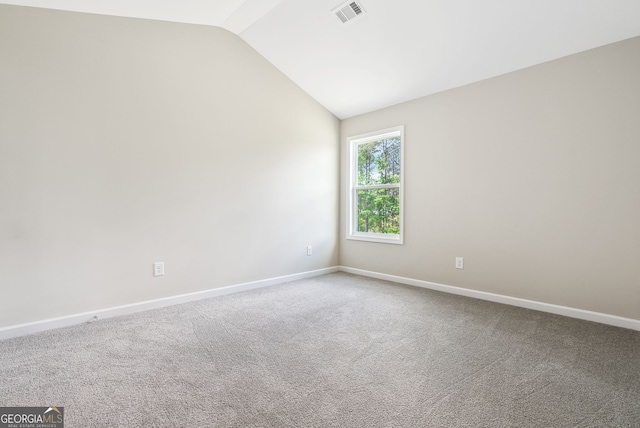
{"points": [[376, 186]]}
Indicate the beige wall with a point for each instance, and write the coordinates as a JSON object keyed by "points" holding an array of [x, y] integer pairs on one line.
{"points": [[124, 142], [533, 177]]}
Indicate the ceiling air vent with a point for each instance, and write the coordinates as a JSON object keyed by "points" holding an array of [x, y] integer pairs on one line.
{"points": [[348, 11]]}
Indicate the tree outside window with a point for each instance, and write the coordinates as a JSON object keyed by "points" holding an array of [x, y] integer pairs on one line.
{"points": [[376, 186]]}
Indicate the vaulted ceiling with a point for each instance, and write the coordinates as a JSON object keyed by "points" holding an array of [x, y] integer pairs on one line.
{"points": [[396, 50]]}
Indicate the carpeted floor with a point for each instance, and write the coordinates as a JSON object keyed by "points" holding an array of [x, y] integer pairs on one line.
{"points": [[332, 351]]}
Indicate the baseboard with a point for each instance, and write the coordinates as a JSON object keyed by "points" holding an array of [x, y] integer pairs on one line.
{"points": [[38, 326], [598, 317]]}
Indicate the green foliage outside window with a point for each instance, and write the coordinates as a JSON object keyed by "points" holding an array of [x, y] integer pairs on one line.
{"points": [[379, 208]]}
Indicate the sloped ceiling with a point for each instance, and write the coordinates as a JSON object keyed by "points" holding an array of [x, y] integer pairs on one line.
{"points": [[399, 49]]}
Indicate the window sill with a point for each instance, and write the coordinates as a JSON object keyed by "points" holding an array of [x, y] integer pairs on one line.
{"points": [[376, 237]]}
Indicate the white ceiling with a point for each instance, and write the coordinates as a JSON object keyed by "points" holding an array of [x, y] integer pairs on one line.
{"points": [[400, 49]]}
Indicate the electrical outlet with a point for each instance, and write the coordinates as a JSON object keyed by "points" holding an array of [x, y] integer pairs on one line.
{"points": [[459, 262], [158, 269], [309, 250]]}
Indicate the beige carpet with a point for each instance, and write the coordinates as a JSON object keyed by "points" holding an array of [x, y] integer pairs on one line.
{"points": [[332, 351]]}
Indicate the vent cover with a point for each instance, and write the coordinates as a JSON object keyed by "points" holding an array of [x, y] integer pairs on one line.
{"points": [[349, 11]]}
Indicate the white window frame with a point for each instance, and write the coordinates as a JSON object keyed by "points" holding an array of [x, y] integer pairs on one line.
{"points": [[352, 156]]}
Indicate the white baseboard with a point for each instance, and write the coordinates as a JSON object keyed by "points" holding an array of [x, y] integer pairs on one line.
{"points": [[48, 324], [598, 317]]}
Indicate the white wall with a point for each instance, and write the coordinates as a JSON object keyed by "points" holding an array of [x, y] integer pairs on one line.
{"points": [[533, 177], [124, 142]]}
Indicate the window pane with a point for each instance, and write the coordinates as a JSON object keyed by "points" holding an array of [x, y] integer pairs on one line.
{"points": [[379, 162], [379, 210]]}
